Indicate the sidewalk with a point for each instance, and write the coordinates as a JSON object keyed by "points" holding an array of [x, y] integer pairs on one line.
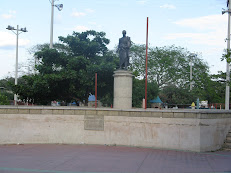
{"points": [[52, 158]]}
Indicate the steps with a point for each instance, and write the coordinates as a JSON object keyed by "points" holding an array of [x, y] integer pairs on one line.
{"points": [[227, 144]]}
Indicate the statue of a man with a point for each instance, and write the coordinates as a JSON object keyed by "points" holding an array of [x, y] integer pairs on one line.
{"points": [[124, 46]]}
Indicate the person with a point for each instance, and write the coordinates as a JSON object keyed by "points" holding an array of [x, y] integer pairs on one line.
{"points": [[123, 48]]}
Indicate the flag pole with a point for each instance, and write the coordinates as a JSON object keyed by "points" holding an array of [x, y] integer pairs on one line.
{"points": [[146, 75], [95, 90]]}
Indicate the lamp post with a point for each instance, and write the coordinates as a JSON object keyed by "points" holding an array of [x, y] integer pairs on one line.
{"points": [[60, 7], [227, 91], [190, 74], [191, 64], [18, 31]]}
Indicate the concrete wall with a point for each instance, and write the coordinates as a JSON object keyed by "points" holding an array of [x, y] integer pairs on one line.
{"points": [[190, 130]]}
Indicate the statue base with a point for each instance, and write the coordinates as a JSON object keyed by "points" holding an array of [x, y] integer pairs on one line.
{"points": [[122, 89]]}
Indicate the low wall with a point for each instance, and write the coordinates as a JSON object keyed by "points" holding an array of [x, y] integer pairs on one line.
{"points": [[183, 130]]}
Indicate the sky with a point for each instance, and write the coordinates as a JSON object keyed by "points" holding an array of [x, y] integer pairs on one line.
{"points": [[196, 25]]}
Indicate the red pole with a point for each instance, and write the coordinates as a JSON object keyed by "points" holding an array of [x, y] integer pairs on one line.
{"points": [[146, 75], [95, 90]]}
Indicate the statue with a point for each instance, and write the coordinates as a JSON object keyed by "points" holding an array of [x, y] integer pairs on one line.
{"points": [[123, 48]]}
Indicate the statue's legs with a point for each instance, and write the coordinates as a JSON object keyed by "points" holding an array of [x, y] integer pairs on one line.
{"points": [[125, 65], [122, 59], [126, 61], [121, 64]]}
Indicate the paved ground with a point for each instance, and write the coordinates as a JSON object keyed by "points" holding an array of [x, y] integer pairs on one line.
{"points": [[114, 159]]}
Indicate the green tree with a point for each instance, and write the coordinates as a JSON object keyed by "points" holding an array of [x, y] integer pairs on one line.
{"points": [[169, 68], [211, 88], [167, 65], [216, 88], [67, 72], [138, 92], [172, 94], [4, 100], [5, 85]]}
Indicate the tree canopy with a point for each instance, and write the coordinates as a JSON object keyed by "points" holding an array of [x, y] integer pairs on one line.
{"points": [[67, 72], [138, 92], [167, 65], [169, 68]]}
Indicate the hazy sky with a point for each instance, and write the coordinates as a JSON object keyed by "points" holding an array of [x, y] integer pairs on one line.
{"points": [[193, 24]]}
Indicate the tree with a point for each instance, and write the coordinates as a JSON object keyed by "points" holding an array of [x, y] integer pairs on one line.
{"points": [[209, 87], [138, 92], [6, 87], [169, 68], [167, 65], [67, 72], [4, 100], [216, 88], [172, 94]]}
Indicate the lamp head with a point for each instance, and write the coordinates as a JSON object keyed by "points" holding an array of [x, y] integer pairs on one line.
{"points": [[10, 27], [223, 11], [23, 29], [59, 6]]}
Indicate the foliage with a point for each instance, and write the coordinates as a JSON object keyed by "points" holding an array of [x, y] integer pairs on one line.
{"points": [[138, 92], [211, 88], [5, 83], [226, 55], [67, 72], [6, 87], [217, 87], [172, 94], [89, 44], [167, 65], [4, 100]]}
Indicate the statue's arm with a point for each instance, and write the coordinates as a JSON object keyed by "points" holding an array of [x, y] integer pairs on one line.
{"points": [[118, 48]]}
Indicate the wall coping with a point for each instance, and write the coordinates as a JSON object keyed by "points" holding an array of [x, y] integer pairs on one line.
{"points": [[70, 110]]}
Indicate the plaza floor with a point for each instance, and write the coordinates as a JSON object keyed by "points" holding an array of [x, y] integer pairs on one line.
{"points": [[54, 158]]}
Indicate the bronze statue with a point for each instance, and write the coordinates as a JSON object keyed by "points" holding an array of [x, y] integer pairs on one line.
{"points": [[123, 48]]}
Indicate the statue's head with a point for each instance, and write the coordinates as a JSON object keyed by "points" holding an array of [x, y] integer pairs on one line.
{"points": [[124, 32]]}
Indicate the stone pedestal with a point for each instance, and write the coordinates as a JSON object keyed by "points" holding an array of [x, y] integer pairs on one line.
{"points": [[122, 89]]}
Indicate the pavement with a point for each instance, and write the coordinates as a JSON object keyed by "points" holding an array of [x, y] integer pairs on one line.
{"points": [[55, 158]]}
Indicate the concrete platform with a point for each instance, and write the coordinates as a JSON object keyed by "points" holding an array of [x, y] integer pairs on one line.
{"points": [[54, 158], [189, 130]]}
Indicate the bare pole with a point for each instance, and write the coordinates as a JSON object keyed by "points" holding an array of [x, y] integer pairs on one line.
{"points": [[146, 75], [191, 73], [95, 90], [52, 23], [16, 67], [227, 92], [60, 7]]}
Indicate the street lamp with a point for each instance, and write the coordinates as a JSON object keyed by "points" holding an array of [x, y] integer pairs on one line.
{"points": [[18, 31], [60, 7], [227, 92], [191, 64]]}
